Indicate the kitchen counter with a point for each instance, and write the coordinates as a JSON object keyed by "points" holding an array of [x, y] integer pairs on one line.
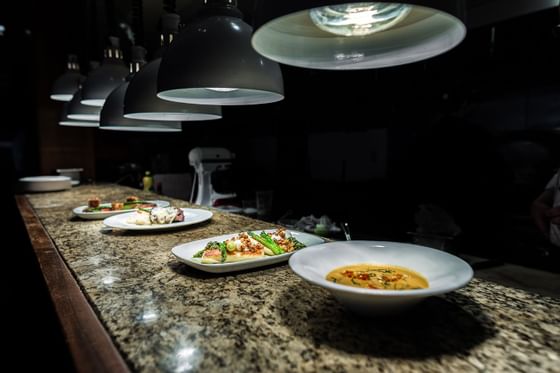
{"points": [[148, 312]]}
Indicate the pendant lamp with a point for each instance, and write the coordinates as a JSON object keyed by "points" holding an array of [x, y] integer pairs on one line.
{"points": [[105, 78], [212, 62], [66, 121], [112, 112], [141, 101], [349, 35], [68, 83], [78, 111]]}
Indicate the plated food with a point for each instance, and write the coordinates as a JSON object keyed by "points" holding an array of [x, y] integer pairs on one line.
{"points": [[131, 203], [244, 250], [365, 261], [158, 218], [157, 215], [249, 246], [95, 209]]}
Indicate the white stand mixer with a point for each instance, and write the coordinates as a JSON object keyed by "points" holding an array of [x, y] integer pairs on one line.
{"points": [[205, 161]]}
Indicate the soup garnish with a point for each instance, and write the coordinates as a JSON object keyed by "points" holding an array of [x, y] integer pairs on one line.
{"points": [[376, 276]]}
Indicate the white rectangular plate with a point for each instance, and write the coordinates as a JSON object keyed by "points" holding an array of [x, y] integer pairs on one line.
{"points": [[185, 252], [192, 216]]}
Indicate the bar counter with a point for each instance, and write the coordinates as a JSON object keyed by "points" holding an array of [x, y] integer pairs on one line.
{"points": [[125, 303]]}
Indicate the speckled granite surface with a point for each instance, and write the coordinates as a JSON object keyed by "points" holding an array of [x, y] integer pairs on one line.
{"points": [[165, 316]]}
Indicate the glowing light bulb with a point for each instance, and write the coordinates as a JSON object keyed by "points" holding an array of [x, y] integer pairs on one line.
{"points": [[222, 89], [358, 19]]}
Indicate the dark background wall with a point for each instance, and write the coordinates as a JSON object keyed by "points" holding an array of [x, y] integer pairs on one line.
{"points": [[473, 130]]}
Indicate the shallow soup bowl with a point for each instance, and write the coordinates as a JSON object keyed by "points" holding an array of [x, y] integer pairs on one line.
{"points": [[444, 272]]}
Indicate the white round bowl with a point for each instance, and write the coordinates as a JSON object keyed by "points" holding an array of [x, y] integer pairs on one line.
{"points": [[45, 183], [444, 272]]}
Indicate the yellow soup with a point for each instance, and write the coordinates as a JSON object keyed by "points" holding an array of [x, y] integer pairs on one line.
{"points": [[371, 276]]}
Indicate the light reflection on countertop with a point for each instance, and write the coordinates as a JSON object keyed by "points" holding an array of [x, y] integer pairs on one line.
{"points": [[187, 359], [109, 280]]}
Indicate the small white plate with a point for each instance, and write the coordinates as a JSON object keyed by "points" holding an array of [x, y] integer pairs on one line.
{"points": [[185, 252], [96, 215], [444, 272], [192, 216]]}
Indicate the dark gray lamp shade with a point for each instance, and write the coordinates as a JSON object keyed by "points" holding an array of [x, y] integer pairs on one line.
{"points": [[212, 62], [102, 81], [141, 101], [66, 85], [79, 111], [65, 121], [112, 116], [286, 32]]}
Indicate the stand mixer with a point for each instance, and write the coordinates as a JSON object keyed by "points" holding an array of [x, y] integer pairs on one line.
{"points": [[206, 161]]}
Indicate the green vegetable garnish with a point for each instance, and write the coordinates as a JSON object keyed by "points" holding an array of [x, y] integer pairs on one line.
{"points": [[212, 245], [267, 241], [297, 245], [224, 251], [199, 253], [231, 246]]}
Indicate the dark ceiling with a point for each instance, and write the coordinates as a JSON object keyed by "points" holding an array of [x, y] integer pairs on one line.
{"points": [[102, 18], [83, 25]]}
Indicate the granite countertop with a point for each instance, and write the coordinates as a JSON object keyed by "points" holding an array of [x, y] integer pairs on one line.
{"points": [[165, 316]]}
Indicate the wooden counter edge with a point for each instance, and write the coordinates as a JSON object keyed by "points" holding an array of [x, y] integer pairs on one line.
{"points": [[89, 343]]}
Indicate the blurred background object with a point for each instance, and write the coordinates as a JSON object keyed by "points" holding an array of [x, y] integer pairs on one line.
{"points": [[73, 173], [176, 185], [207, 163]]}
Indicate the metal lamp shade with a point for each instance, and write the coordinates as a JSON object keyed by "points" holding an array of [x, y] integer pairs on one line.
{"points": [[212, 62], [112, 116], [286, 33], [102, 81], [78, 111], [65, 121], [66, 85], [141, 101]]}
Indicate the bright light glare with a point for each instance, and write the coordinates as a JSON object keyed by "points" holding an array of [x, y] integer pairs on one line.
{"points": [[186, 359], [93, 102], [76, 123], [60, 97], [149, 316], [358, 19], [222, 89], [108, 280]]}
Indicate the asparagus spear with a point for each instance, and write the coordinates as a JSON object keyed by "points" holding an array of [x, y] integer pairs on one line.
{"points": [[223, 250], [267, 241]]}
